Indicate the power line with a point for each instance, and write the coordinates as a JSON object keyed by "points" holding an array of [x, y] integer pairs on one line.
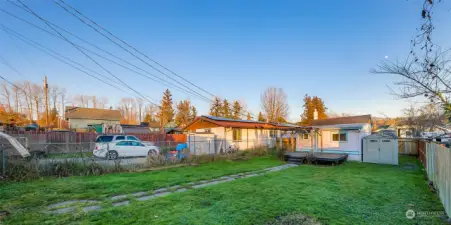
{"points": [[47, 50], [160, 80], [83, 21], [122, 47], [28, 42], [3, 61], [10, 66], [84, 53], [64, 38], [132, 46]]}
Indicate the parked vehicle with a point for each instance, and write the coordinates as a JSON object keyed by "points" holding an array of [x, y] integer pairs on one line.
{"points": [[102, 140], [105, 143], [125, 148]]}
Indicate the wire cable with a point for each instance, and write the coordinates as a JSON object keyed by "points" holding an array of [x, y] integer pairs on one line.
{"points": [[84, 53], [159, 79]]}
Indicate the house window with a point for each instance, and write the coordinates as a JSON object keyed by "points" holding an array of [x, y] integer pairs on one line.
{"points": [[273, 133], [305, 136], [236, 134], [208, 130], [339, 137]]}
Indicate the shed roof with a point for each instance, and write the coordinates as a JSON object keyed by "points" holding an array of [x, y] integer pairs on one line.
{"points": [[94, 114], [343, 120], [212, 121], [380, 135]]}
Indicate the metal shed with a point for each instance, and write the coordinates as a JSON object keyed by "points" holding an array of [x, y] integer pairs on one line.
{"points": [[379, 148]]}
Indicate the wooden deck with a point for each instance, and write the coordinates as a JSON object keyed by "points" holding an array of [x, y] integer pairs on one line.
{"points": [[317, 157]]}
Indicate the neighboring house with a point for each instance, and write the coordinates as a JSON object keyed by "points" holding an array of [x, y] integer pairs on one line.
{"points": [[136, 129], [173, 130], [337, 135], [83, 118], [212, 134], [154, 126]]}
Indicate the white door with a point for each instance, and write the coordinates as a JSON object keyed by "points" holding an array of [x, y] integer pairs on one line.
{"points": [[120, 148], [372, 151], [138, 149], [386, 152]]}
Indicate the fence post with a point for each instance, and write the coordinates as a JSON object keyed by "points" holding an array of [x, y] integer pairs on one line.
{"points": [[3, 161], [67, 140]]}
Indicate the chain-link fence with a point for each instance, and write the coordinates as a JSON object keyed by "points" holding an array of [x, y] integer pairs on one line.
{"points": [[63, 158]]}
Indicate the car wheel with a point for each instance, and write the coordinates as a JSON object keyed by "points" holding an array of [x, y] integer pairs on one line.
{"points": [[111, 155], [151, 153]]}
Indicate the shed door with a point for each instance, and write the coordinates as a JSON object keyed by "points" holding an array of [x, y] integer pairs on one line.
{"points": [[372, 151], [386, 151]]}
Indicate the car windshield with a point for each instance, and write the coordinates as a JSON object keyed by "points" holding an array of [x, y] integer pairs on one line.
{"points": [[132, 138], [104, 139]]}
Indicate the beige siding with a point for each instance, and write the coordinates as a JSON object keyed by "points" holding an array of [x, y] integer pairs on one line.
{"points": [[83, 123], [250, 138]]}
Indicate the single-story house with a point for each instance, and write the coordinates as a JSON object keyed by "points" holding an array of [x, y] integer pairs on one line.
{"points": [[173, 130], [154, 126], [83, 118], [142, 128], [336, 135], [209, 134]]}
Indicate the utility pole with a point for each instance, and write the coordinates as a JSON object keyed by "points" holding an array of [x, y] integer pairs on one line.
{"points": [[46, 94]]}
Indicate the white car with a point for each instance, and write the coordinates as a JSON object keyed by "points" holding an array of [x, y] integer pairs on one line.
{"points": [[118, 149]]}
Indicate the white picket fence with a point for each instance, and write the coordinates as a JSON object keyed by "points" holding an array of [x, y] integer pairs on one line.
{"points": [[438, 167]]}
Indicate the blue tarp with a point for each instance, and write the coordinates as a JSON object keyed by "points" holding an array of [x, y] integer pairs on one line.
{"points": [[180, 147]]}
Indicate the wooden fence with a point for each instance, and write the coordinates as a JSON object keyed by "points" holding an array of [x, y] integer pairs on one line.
{"points": [[78, 137], [438, 167], [408, 146]]}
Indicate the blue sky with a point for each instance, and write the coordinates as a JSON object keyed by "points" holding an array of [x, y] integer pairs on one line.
{"points": [[234, 49]]}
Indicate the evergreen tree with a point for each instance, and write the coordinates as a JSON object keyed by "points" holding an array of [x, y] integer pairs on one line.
{"points": [[226, 109], [310, 104], [249, 117], [260, 117], [183, 115], [309, 108], [193, 113], [237, 110], [216, 107], [320, 108], [166, 113]]}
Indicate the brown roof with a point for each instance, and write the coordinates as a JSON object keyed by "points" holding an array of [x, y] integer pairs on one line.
{"points": [[93, 114], [342, 120], [226, 122]]}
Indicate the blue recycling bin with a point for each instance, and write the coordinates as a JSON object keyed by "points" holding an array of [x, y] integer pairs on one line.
{"points": [[179, 149]]}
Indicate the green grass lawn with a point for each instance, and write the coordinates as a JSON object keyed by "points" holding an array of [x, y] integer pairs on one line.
{"points": [[353, 193], [26, 200]]}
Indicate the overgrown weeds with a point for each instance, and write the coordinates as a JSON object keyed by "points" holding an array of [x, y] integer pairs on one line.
{"points": [[35, 168]]}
